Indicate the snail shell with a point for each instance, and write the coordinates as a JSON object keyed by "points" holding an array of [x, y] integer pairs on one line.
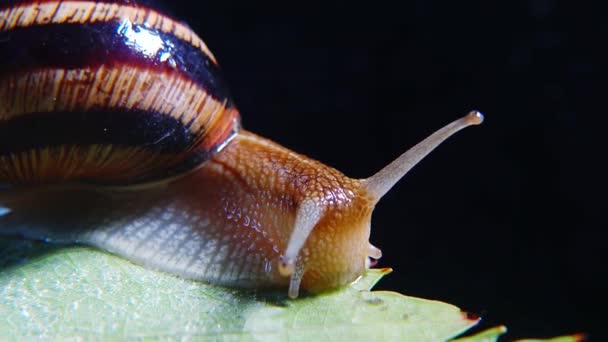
{"points": [[105, 93], [117, 131]]}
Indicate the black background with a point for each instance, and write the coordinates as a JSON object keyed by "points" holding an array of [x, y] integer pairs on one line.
{"points": [[504, 219]]}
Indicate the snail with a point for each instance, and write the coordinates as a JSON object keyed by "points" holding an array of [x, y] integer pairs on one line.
{"points": [[117, 131]]}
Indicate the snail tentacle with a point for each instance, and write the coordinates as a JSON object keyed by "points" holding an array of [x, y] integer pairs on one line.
{"points": [[381, 182], [308, 215], [296, 278]]}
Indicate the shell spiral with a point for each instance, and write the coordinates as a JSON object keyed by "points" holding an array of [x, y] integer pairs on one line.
{"points": [[112, 92]]}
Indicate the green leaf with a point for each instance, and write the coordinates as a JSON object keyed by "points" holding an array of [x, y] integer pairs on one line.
{"points": [[78, 292], [492, 334], [489, 335], [567, 338]]}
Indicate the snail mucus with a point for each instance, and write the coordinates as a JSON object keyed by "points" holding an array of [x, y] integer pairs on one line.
{"points": [[117, 131]]}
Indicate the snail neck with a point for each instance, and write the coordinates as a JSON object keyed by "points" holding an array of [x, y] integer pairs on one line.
{"points": [[263, 165]]}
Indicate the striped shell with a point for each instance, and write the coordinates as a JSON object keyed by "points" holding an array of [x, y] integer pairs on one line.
{"points": [[111, 92]]}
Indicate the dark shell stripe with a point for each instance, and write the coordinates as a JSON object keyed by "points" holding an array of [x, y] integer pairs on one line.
{"points": [[110, 92], [108, 164], [72, 46], [15, 14], [150, 130]]}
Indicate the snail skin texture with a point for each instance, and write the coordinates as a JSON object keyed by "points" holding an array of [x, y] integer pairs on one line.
{"points": [[117, 131]]}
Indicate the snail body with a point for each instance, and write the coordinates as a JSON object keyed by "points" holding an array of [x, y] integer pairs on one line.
{"points": [[117, 131]]}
